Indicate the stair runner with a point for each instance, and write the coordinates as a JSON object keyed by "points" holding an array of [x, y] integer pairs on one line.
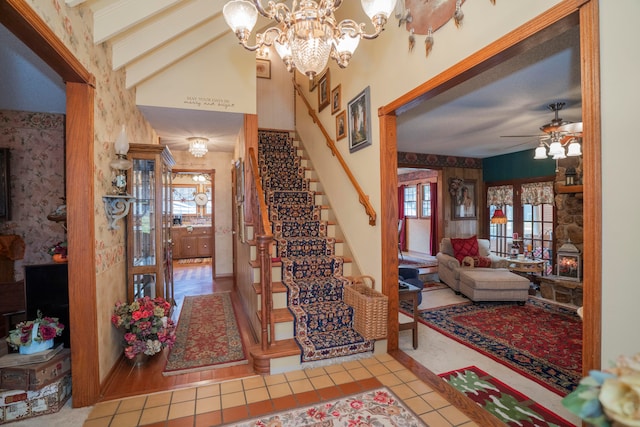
{"points": [[311, 272]]}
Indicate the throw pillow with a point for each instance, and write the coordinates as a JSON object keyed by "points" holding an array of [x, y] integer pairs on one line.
{"points": [[465, 247]]}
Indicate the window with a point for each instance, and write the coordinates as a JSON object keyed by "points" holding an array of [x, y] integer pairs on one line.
{"points": [[426, 200], [183, 200], [531, 217], [410, 201]]}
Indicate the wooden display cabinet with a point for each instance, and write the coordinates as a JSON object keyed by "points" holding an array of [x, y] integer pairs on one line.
{"points": [[149, 250]]}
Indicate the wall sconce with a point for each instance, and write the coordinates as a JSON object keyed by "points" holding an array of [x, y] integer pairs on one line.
{"points": [[117, 205], [121, 164]]}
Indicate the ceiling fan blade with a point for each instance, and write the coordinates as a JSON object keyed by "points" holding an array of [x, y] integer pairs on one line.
{"points": [[519, 136]]}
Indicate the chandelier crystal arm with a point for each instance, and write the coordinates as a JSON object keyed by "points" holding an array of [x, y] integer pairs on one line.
{"points": [[262, 39]]}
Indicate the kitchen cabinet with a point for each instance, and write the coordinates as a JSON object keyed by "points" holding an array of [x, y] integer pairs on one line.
{"points": [[192, 242]]}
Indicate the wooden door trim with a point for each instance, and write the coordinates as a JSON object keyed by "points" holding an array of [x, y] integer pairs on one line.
{"points": [[27, 26], [212, 176], [558, 18]]}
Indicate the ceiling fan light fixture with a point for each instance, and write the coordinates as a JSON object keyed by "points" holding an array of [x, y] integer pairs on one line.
{"points": [[541, 152], [574, 149]]}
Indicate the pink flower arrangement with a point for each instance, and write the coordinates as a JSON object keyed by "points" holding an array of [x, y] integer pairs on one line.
{"points": [[146, 324], [48, 328]]}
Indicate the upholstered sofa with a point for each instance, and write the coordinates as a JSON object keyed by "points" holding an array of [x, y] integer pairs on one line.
{"points": [[450, 263]]}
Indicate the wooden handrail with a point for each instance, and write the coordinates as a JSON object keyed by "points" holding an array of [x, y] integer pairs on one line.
{"points": [[363, 198], [264, 237]]}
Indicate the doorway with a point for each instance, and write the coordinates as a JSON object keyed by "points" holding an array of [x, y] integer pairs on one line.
{"points": [[560, 17]]}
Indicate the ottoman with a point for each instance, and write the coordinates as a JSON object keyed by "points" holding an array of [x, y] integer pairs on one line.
{"points": [[493, 284]]}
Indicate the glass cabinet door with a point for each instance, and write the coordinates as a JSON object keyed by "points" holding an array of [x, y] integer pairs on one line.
{"points": [[149, 264]]}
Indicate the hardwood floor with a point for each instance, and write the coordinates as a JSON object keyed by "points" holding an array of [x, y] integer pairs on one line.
{"points": [[126, 380]]}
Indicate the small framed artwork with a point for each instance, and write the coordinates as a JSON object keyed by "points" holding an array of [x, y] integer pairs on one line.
{"points": [[463, 200], [263, 68], [324, 90], [359, 116], [341, 125], [336, 99]]}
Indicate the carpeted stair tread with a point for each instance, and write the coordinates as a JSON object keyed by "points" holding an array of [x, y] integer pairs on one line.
{"points": [[311, 272]]}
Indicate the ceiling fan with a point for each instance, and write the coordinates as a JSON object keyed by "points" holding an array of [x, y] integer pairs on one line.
{"points": [[557, 124]]}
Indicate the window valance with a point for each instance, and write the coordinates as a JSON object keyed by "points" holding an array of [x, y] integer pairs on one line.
{"points": [[500, 195], [537, 193]]}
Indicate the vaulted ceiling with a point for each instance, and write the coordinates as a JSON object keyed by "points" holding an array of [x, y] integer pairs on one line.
{"points": [[483, 117]]}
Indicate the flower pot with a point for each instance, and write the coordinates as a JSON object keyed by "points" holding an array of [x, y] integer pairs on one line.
{"points": [[35, 347], [59, 258]]}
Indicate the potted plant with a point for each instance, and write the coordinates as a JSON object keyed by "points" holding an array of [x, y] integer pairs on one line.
{"points": [[33, 336], [146, 325]]}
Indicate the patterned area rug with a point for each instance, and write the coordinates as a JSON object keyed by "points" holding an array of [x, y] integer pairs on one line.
{"points": [[508, 405], [311, 270], [207, 336], [540, 340], [417, 263], [373, 408], [433, 286]]}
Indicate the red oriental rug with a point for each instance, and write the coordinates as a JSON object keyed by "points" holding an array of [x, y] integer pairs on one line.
{"points": [[207, 336], [541, 341], [508, 405]]}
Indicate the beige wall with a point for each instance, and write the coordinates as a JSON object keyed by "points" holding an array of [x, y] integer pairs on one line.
{"points": [[386, 65], [219, 77], [620, 154]]}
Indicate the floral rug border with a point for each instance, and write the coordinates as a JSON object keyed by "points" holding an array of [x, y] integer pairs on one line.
{"points": [[378, 407]]}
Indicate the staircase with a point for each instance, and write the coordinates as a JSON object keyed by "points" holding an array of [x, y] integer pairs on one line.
{"points": [[309, 266]]}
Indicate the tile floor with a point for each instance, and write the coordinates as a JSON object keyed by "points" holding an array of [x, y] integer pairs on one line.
{"points": [[232, 401]]}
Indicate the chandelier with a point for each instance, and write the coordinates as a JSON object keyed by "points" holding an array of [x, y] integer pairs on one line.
{"points": [[307, 34], [198, 146]]}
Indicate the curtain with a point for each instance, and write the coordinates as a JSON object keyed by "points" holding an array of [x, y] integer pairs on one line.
{"points": [[433, 237], [500, 195], [402, 234], [537, 193]]}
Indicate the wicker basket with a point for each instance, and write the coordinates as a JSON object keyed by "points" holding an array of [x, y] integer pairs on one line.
{"points": [[370, 309]]}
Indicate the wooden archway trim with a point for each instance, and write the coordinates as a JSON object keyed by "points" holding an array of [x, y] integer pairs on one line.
{"points": [[25, 24], [554, 21]]}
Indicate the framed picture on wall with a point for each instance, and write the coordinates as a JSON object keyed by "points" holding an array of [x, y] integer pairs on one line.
{"points": [[324, 90], [464, 199], [359, 118], [341, 125], [336, 99], [263, 68]]}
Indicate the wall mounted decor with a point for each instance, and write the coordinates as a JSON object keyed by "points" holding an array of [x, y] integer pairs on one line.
{"points": [[324, 90], [359, 116], [463, 198], [341, 125], [263, 68], [336, 99]]}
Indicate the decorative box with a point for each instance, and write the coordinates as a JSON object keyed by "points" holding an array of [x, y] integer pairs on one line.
{"points": [[34, 376], [20, 404]]}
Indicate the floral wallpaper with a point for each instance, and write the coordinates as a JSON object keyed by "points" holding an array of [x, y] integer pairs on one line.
{"points": [[37, 186], [114, 106]]}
